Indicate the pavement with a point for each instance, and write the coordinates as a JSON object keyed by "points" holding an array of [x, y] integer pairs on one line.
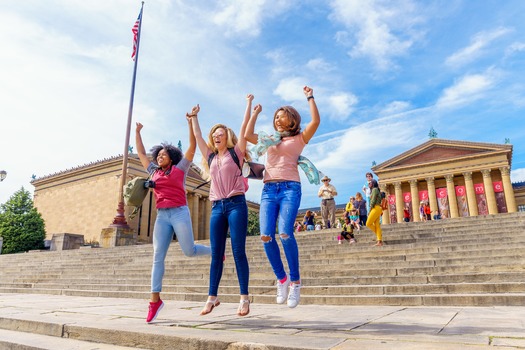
{"points": [[36, 321]]}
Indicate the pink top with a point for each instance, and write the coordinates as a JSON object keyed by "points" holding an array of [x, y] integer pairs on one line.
{"points": [[169, 186], [281, 161], [226, 178]]}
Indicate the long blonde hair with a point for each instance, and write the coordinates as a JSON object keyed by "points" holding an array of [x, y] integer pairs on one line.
{"points": [[231, 141]]}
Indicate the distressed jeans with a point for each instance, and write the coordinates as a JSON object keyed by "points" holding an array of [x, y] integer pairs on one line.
{"points": [[279, 205], [172, 220]]}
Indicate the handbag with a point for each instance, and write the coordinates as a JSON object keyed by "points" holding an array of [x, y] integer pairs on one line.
{"points": [[134, 194], [252, 170]]}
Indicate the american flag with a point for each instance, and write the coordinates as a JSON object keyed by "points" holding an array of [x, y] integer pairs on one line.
{"points": [[135, 31]]}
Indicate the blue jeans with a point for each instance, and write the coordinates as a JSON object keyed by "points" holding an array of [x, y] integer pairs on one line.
{"points": [[171, 220], [280, 202], [233, 213]]}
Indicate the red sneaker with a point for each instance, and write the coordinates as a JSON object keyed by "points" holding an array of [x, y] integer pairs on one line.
{"points": [[154, 309]]}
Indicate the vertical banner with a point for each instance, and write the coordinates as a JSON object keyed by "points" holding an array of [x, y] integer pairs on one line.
{"points": [[392, 208], [481, 200], [500, 197], [407, 199], [461, 197], [423, 196], [442, 199]]}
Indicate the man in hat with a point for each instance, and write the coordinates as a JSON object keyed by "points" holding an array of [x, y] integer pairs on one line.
{"points": [[327, 193]]}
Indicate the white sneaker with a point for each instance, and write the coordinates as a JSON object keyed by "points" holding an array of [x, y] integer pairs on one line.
{"points": [[282, 290], [294, 295]]}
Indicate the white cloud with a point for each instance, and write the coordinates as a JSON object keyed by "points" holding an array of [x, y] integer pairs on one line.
{"points": [[319, 65], [290, 89], [341, 105], [384, 30], [475, 49], [466, 90], [517, 175], [514, 48]]}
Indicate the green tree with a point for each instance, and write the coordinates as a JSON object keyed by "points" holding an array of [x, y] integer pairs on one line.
{"points": [[21, 226], [253, 223]]}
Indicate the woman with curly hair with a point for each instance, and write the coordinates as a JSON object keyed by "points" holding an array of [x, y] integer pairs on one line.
{"points": [[168, 168], [229, 210]]}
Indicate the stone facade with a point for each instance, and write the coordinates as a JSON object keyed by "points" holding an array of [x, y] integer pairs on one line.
{"points": [[83, 200], [457, 178]]}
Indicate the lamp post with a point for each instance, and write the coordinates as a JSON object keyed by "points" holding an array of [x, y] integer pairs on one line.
{"points": [[3, 175]]}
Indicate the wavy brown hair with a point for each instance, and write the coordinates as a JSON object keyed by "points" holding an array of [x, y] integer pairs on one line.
{"points": [[295, 119]]}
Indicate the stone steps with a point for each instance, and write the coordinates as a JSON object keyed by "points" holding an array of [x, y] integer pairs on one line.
{"points": [[469, 261]]}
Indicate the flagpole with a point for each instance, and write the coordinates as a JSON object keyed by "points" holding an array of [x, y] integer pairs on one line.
{"points": [[120, 218]]}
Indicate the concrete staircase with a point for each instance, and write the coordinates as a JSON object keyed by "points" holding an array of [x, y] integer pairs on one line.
{"points": [[477, 261]]}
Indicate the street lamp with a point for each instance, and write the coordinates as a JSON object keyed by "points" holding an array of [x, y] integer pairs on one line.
{"points": [[3, 174]]}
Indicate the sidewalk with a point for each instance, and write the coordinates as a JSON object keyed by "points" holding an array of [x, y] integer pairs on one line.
{"points": [[121, 322]]}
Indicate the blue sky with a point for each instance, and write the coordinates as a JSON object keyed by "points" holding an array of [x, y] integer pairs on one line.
{"points": [[383, 74]]}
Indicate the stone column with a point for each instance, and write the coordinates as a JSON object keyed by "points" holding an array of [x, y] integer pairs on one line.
{"points": [[489, 191], [431, 194], [471, 194], [399, 202], [510, 199], [415, 199], [386, 213], [451, 192], [195, 214]]}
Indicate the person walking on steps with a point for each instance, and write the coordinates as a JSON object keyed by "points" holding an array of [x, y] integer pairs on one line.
{"points": [[168, 168], [375, 212]]}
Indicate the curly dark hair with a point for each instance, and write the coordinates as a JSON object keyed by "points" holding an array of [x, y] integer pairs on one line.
{"points": [[174, 152]]}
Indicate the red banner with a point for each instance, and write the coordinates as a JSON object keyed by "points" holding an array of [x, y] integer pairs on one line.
{"points": [[479, 188], [441, 192], [392, 200], [460, 191], [407, 197], [423, 195], [498, 186]]}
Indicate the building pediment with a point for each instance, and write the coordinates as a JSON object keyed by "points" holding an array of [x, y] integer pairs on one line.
{"points": [[439, 150]]}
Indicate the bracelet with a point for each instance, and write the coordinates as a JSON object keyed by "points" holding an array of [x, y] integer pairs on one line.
{"points": [[309, 97]]}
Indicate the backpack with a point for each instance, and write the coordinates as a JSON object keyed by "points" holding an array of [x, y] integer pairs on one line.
{"points": [[236, 160], [384, 201], [250, 170]]}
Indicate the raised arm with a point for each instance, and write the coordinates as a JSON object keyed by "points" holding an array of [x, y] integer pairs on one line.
{"points": [[242, 138], [141, 151], [250, 134], [190, 152], [203, 146], [311, 128]]}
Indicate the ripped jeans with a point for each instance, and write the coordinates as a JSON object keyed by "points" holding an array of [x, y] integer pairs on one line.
{"points": [[279, 205]]}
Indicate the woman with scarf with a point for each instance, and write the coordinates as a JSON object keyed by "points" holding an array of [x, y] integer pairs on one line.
{"points": [[281, 195]]}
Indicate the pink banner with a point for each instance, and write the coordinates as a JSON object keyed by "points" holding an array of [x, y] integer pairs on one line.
{"points": [[442, 199], [423, 195], [479, 188], [392, 208], [407, 197], [460, 191], [461, 197], [498, 186], [441, 192], [481, 200]]}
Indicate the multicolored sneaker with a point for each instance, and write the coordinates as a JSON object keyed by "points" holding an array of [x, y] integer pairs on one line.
{"points": [[154, 309]]}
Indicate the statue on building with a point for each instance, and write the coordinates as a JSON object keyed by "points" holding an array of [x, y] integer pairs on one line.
{"points": [[432, 133]]}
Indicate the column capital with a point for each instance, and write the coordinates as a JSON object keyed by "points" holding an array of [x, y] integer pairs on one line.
{"points": [[505, 170], [382, 187], [430, 180], [397, 185], [449, 177], [467, 175], [412, 182], [486, 172]]}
